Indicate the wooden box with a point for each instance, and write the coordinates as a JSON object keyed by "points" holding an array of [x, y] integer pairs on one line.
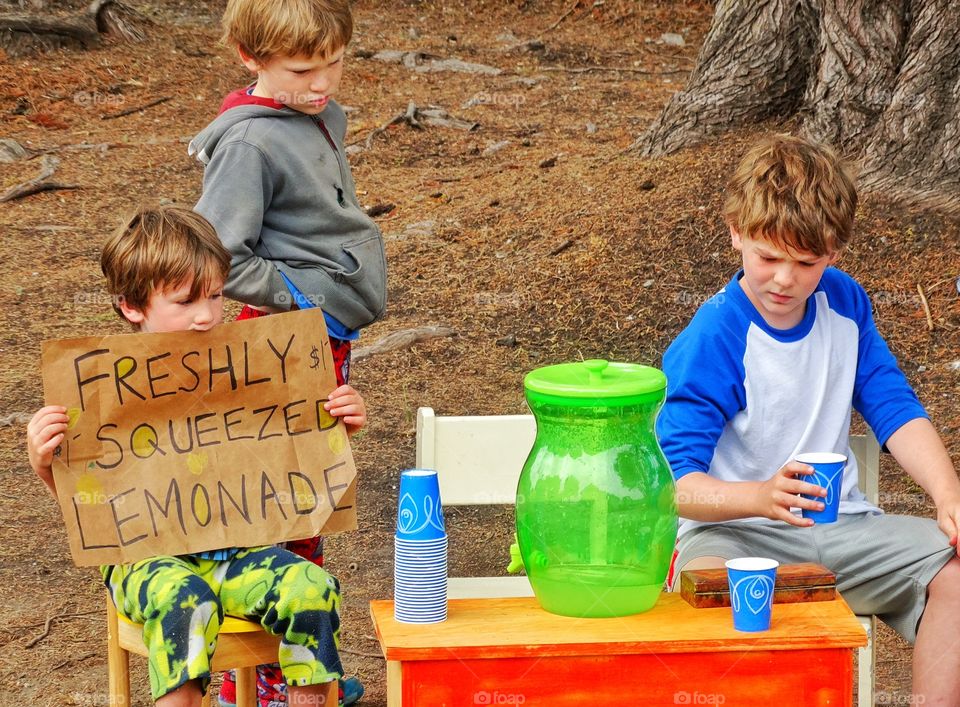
{"points": [[795, 583]]}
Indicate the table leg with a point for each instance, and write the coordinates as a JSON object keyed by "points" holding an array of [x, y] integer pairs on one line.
{"points": [[394, 684]]}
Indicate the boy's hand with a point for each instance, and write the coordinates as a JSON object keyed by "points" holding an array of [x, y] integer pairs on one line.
{"points": [[948, 519], [45, 432], [782, 492], [347, 403]]}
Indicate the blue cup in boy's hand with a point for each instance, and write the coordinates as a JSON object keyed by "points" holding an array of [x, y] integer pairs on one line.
{"points": [[827, 473]]}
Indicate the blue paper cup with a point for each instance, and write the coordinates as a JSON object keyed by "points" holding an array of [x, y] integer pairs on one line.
{"points": [[751, 581], [421, 617], [420, 580], [420, 515], [827, 473]]}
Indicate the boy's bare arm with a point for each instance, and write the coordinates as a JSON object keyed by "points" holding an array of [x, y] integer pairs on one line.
{"points": [[919, 450], [701, 497], [44, 433]]}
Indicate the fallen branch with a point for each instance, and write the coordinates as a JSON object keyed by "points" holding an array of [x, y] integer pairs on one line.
{"points": [[366, 654], [426, 63], [379, 210], [620, 69], [13, 151], [417, 118], [49, 622], [39, 189], [39, 183], [926, 306], [136, 109], [48, 165], [403, 339], [46, 632], [564, 16], [439, 118], [24, 33], [68, 661], [368, 143], [102, 147], [562, 247], [81, 29]]}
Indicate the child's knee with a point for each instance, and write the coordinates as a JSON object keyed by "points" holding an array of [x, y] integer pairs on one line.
{"points": [[193, 590], [945, 586], [311, 588]]}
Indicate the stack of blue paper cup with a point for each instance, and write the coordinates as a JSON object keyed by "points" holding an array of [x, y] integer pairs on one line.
{"points": [[420, 560]]}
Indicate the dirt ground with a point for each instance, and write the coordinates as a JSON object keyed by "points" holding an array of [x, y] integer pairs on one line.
{"points": [[535, 236]]}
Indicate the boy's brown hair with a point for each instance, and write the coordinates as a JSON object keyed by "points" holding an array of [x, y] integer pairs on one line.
{"points": [[162, 247], [267, 28], [795, 193]]}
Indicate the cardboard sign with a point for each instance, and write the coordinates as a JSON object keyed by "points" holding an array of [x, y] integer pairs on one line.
{"points": [[191, 441]]}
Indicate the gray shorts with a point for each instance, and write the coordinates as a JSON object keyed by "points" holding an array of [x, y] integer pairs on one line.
{"points": [[883, 563]]}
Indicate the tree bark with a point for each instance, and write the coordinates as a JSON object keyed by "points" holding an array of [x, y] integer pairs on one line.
{"points": [[879, 79], [27, 33], [914, 150], [22, 33], [741, 76]]}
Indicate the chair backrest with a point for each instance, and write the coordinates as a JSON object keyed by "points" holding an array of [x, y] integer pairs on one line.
{"points": [[867, 451], [478, 458]]}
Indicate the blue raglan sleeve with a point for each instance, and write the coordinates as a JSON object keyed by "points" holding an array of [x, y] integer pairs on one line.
{"points": [[705, 389], [881, 393]]}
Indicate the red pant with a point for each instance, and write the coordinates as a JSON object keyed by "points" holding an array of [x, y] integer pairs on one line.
{"points": [[312, 548]]}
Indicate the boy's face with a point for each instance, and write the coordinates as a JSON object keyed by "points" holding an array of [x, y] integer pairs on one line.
{"points": [[172, 309], [304, 83], [778, 282]]}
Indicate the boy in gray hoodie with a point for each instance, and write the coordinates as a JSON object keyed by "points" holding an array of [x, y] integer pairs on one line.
{"points": [[278, 190]]}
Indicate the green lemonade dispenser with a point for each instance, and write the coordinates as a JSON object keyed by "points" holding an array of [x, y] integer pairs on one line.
{"points": [[596, 511]]}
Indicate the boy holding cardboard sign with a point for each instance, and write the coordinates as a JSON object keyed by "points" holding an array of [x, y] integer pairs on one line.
{"points": [[166, 268]]}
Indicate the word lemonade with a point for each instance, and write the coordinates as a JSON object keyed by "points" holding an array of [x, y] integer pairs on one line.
{"points": [[188, 441]]}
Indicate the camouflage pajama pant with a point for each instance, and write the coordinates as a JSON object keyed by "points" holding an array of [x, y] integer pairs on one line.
{"points": [[181, 602]]}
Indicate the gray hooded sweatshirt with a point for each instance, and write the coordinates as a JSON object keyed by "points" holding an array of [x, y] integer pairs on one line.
{"points": [[278, 190]]}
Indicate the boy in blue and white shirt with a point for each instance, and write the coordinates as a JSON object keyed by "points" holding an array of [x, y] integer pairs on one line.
{"points": [[771, 367]]}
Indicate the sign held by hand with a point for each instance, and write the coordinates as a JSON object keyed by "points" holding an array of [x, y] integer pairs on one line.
{"points": [[188, 441]]}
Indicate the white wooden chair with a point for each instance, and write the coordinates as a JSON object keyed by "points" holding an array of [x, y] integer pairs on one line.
{"points": [[867, 451], [478, 461]]}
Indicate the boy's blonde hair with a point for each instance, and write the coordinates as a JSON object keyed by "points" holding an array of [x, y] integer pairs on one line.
{"points": [[267, 28], [795, 193], [159, 248]]}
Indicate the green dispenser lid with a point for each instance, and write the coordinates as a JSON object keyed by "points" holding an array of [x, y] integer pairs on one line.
{"points": [[595, 382]]}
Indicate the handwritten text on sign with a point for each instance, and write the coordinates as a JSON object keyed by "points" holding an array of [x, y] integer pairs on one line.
{"points": [[192, 441]]}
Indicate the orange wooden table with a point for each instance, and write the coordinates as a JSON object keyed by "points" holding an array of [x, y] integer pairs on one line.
{"points": [[511, 652]]}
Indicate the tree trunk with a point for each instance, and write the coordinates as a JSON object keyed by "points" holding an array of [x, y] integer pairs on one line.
{"points": [[22, 34], [879, 79]]}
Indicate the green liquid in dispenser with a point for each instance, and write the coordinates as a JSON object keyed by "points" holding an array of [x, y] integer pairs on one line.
{"points": [[590, 591]]}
